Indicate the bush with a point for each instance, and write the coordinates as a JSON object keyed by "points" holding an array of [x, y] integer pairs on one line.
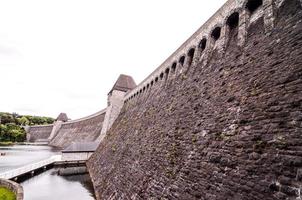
{"points": [[11, 125]]}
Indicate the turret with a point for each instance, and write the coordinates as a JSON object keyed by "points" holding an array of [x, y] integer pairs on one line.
{"points": [[57, 125], [62, 117], [115, 101]]}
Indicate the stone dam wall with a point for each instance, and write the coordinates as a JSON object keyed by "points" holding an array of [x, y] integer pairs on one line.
{"points": [[62, 134], [87, 129], [36, 133], [220, 119]]}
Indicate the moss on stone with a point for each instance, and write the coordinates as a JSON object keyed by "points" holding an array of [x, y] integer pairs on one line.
{"points": [[6, 194]]}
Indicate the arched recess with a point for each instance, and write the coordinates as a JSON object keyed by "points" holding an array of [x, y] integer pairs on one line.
{"points": [[253, 5], [233, 21], [167, 71], [202, 45], [173, 67], [182, 60], [216, 33], [232, 28], [190, 54], [161, 76]]}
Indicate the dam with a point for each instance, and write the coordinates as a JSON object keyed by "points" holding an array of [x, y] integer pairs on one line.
{"points": [[221, 118]]}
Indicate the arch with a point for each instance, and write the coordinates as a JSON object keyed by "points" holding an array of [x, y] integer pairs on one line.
{"points": [[202, 44], [156, 79], [151, 83], [182, 60], [174, 67], [216, 33], [233, 21], [140, 91], [190, 54], [144, 88], [161, 75], [148, 85], [167, 71], [253, 5]]}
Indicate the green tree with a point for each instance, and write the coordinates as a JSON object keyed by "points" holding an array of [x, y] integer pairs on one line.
{"points": [[23, 121], [10, 125]]}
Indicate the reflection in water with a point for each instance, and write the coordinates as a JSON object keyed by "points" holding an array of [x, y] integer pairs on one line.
{"points": [[20, 155], [50, 186], [84, 179]]}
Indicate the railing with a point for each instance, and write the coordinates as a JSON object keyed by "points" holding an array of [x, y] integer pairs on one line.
{"points": [[28, 168]]}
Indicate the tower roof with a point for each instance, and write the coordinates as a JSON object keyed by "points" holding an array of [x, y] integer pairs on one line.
{"points": [[124, 83], [62, 117]]}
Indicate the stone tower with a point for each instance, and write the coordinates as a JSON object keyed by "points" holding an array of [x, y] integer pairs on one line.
{"points": [[57, 125], [116, 96]]}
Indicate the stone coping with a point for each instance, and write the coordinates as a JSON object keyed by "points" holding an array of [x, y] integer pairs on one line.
{"points": [[13, 186]]}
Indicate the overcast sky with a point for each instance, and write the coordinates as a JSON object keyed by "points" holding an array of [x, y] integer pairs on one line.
{"points": [[65, 55]]}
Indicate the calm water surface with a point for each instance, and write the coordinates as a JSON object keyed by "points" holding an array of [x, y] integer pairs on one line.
{"points": [[47, 185], [50, 186], [20, 155]]}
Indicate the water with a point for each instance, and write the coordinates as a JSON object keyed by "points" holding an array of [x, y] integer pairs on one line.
{"points": [[47, 185], [50, 186], [20, 155]]}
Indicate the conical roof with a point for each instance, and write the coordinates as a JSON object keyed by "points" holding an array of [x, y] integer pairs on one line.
{"points": [[62, 117], [124, 83]]}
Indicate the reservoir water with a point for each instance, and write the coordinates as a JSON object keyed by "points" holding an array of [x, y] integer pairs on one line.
{"points": [[50, 186], [47, 185], [20, 155]]}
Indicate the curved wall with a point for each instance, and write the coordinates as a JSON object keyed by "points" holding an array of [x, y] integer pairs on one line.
{"points": [[226, 126], [13, 186], [85, 129], [36, 133]]}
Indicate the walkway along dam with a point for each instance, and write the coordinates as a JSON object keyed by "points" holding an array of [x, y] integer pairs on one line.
{"points": [[221, 118]]}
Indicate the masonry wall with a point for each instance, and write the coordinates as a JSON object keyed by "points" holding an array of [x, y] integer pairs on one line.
{"points": [[75, 156], [82, 130], [35, 133], [116, 102], [227, 126]]}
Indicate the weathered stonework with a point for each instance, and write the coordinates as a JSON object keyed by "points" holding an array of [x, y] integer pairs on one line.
{"points": [[227, 125], [36, 133], [86, 129], [116, 102]]}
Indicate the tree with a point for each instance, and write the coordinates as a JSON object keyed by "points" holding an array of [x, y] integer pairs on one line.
{"points": [[23, 121]]}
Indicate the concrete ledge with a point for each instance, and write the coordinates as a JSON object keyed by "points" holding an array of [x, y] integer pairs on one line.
{"points": [[13, 186]]}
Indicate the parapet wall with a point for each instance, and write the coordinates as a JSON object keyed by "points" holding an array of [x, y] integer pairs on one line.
{"points": [[225, 122], [86, 129], [203, 39]]}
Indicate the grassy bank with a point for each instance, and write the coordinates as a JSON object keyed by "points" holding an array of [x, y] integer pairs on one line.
{"points": [[6, 143], [6, 194]]}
